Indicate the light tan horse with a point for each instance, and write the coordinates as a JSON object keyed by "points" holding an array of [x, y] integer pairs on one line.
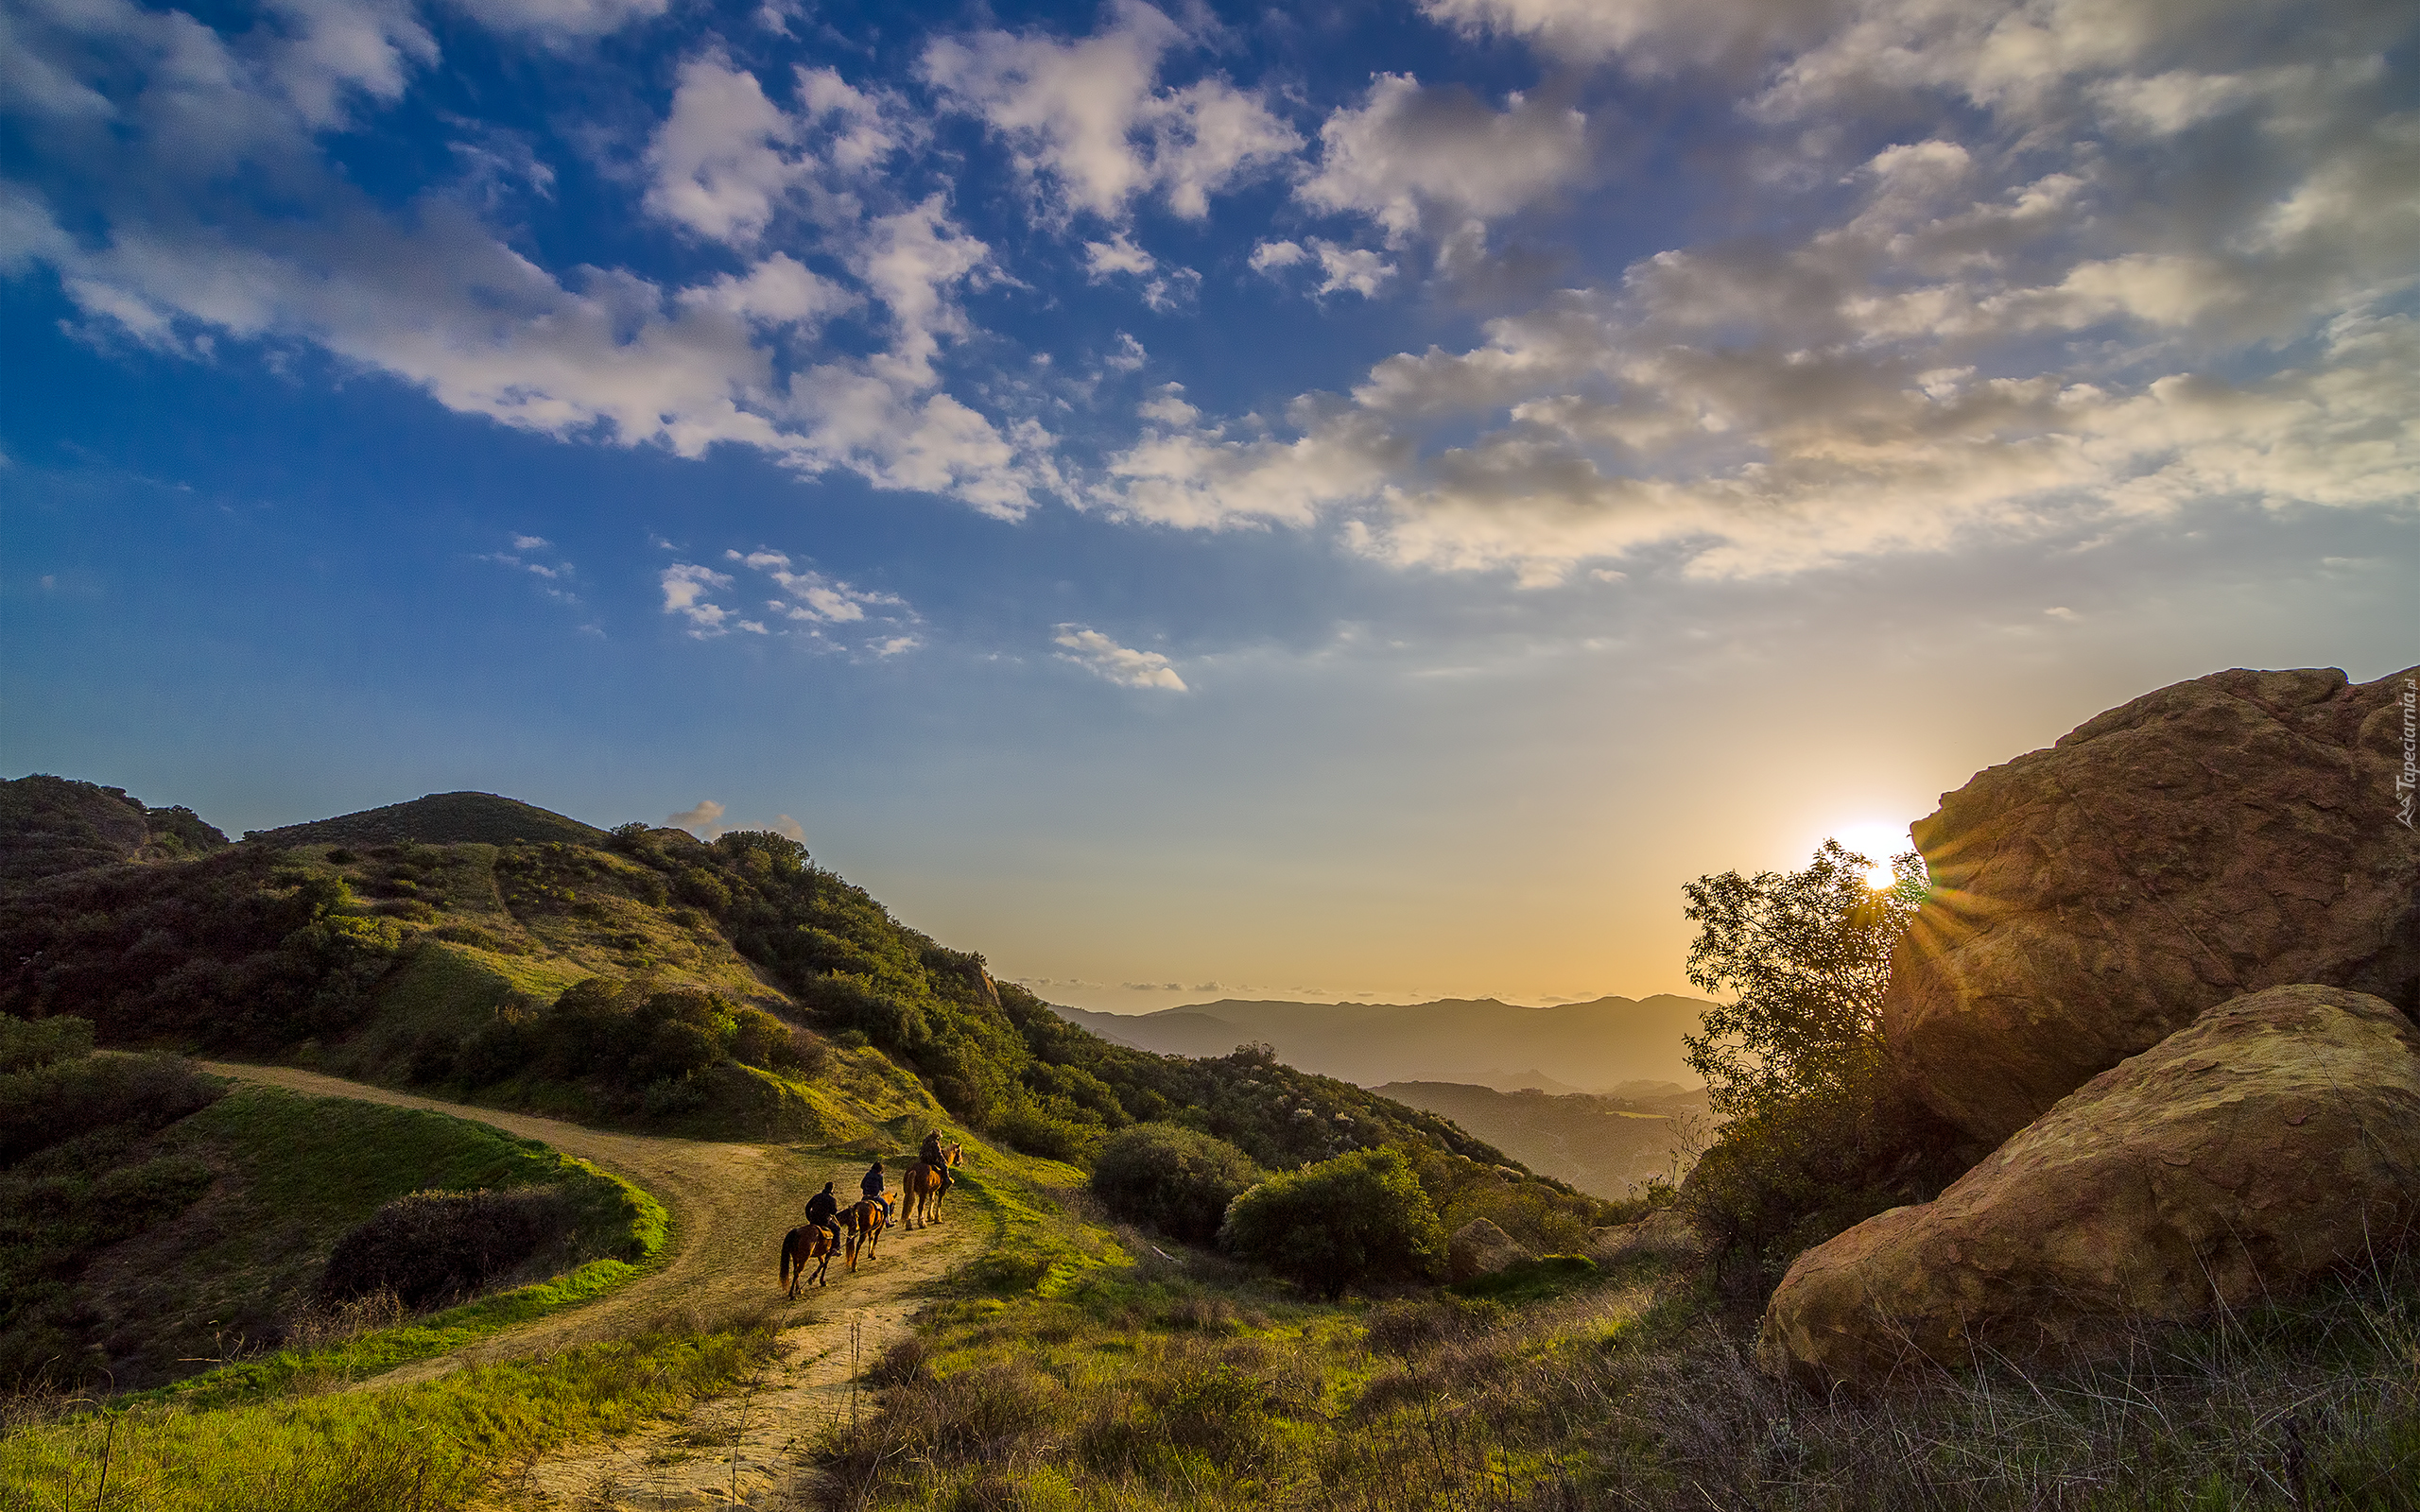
{"points": [[923, 1185], [864, 1223], [801, 1244]]}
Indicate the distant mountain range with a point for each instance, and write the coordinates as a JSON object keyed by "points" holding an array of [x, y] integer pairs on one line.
{"points": [[1609, 1045]]}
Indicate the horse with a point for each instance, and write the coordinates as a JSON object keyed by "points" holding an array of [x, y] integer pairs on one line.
{"points": [[923, 1185], [801, 1244], [865, 1221]]}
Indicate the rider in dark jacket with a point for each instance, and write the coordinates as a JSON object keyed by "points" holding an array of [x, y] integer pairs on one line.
{"points": [[933, 1157], [871, 1185], [823, 1212]]}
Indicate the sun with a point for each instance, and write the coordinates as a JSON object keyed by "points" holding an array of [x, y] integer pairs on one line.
{"points": [[1878, 840]]}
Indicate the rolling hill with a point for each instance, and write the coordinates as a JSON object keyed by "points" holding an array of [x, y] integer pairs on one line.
{"points": [[1597, 1046], [498, 954]]}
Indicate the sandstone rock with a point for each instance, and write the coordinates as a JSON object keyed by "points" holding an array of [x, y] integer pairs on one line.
{"points": [[1664, 1234], [2274, 1139], [1480, 1248], [2218, 836]]}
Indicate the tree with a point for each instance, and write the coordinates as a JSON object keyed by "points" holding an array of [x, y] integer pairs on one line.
{"points": [[1804, 956], [1819, 1133]]}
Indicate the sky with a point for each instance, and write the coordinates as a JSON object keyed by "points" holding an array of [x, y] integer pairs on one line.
{"points": [[1189, 499]]}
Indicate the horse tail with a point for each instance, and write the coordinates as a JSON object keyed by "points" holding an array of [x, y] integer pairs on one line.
{"points": [[789, 1242]]}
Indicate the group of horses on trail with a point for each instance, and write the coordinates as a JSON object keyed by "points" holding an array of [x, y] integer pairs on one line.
{"points": [[807, 1249]]}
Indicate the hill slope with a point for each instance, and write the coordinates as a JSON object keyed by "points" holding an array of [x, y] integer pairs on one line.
{"points": [[649, 979], [1592, 1046], [440, 818]]}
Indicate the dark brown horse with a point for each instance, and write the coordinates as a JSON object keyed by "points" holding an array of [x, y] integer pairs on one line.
{"points": [[804, 1244], [864, 1224], [923, 1185]]}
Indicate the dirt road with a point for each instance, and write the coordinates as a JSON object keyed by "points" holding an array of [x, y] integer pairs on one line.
{"points": [[730, 1206]]}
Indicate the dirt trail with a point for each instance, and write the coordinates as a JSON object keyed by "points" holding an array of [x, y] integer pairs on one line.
{"points": [[730, 1204]]}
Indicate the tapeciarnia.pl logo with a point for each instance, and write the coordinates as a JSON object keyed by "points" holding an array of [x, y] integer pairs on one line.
{"points": [[2407, 780]]}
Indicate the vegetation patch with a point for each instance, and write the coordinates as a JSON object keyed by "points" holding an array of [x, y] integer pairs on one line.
{"points": [[153, 1223], [432, 1446]]}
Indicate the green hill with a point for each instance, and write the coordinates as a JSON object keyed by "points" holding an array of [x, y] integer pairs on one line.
{"points": [[440, 818], [644, 977]]}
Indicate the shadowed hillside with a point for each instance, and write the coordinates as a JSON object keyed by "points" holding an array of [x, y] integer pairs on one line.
{"points": [[440, 818]]}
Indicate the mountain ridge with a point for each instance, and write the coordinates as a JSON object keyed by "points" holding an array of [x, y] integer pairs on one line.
{"points": [[1597, 1045]]}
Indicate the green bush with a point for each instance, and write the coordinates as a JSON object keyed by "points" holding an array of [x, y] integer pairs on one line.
{"points": [[1357, 1220], [27, 1044], [1178, 1180], [1036, 1132]]}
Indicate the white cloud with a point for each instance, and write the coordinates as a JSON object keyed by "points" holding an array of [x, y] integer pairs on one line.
{"points": [[530, 542], [1350, 270], [1090, 124], [1169, 407], [1269, 256], [1096, 653], [785, 825], [1117, 255], [1655, 34], [1407, 154], [717, 160], [1128, 357], [561, 18], [813, 596], [686, 587], [706, 817]]}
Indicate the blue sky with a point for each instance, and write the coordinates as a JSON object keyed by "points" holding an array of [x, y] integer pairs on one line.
{"points": [[1354, 499]]}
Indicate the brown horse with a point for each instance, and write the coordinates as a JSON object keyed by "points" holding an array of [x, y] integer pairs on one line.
{"points": [[923, 1185], [864, 1224], [804, 1244]]}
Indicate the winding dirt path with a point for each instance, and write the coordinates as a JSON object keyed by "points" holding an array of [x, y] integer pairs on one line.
{"points": [[730, 1204]]}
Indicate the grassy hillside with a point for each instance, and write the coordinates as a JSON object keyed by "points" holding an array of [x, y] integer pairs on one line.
{"points": [[153, 1222], [440, 818], [1610, 1146], [644, 977]]}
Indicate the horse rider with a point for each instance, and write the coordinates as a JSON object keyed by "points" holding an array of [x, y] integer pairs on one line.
{"points": [[873, 1184], [823, 1212], [932, 1156]]}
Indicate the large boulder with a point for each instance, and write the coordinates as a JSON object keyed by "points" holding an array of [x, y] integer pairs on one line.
{"points": [[1480, 1248], [2276, 1138], [2210, 839]]}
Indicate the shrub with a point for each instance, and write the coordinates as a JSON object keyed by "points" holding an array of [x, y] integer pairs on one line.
{"points": [[1176, 1179], [25, 1045], [1357, 1220], [1036, 1132], [436, 1247], [701, 888]]}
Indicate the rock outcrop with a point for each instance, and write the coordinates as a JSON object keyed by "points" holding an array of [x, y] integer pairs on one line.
{"points": [[1480, 1248], [2218, 836], [2276, 1138], [1664, 1234]]}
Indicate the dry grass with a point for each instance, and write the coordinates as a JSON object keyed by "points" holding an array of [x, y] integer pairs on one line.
{"points": [[1164, 1393]]}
